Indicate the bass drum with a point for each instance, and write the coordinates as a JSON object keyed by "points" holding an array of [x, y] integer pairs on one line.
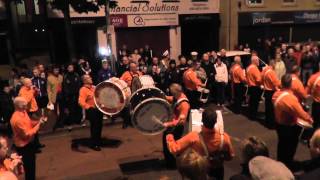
{"points": [[144, 81], [149, 110], [112, 96]]}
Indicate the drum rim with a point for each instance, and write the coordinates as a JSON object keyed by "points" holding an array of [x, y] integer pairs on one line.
{"points": [[139, 105], [144, 88], [123, 94], [139, 77]]}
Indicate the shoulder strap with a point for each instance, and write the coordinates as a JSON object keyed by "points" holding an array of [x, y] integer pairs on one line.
{"points": [[280, 97], [220, 128], [180, 101], [204, 146], [315, 84]]}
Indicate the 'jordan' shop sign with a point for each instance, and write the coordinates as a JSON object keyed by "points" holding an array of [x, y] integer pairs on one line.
{"points": [[137, 13]]}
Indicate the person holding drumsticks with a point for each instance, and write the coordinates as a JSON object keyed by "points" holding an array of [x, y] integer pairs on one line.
{"points": [[176, 126], [193, 85], [128, 77], [313, 88], [86, 101], [288, 112]]}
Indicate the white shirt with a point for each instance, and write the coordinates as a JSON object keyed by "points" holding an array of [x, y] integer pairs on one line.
{"points": [[222, 73]]}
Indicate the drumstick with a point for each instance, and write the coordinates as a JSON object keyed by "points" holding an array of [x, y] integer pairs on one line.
{"points": [[156, 120]]}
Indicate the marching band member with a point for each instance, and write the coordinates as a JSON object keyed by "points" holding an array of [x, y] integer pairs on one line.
{"points": [[129, 75], [237, 79], [193, 84], [254, 82], [24, 131], [218, 145], [86, 101], [270, 83], [297, 85], [287, 111], [313, 88], [181, 109]]}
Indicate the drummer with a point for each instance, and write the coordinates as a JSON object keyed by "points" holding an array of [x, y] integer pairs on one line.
{"points": [[193, 84], [287, 111], [129, 75], [181, 109], [86, 101], [313, 88]]}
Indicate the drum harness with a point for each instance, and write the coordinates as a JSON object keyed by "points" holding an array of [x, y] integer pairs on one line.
{"points": [[315, 84], [176, 104]]}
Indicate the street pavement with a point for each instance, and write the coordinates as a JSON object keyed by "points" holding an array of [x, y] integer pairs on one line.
{"points": [[128, 154]]}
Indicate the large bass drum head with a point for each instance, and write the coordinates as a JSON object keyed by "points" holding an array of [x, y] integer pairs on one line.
{"points": [[145, 93], [109, 98], [136, 84], [148, 117]]}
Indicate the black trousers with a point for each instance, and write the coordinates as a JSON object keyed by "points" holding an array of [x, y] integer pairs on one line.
{"points": [[193, 97], [177, 133], [216, 173], [269, 109], [220, 92], [71, 104], [125, 114], [29, 160], [95, 118], [238, 96], [255, 96], [36, 136], [288, 138]]}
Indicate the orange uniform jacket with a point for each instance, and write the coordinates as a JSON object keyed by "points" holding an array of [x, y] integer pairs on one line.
{"points": [[128, 76], [288, 109], [86, 97], [192, 140], [191, 81], [181, 109], [23, 128], [269, 79], [237, 74], [253, 76], [298, 88], [314, 89], [29, 95]]}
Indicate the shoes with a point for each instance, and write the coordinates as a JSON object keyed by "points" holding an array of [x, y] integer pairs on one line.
{"points": [[38, 151], [96, 148], [39, 146]]}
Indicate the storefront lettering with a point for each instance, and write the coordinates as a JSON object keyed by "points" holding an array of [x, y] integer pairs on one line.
{"points": [[261, 20], [146, 8]]}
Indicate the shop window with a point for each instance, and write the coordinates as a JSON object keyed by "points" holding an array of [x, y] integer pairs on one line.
{"points": [[254, 2]]}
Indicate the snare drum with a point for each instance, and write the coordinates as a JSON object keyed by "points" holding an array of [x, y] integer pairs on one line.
{"points": [[144, 81], [304, 124], [112, 96], [150, 110]]}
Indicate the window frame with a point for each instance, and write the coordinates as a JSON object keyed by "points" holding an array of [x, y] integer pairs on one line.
{"points": [[255, 4], [289, 3]]}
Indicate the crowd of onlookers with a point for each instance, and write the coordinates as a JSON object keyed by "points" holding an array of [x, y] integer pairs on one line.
{"points": [[58, 87]]}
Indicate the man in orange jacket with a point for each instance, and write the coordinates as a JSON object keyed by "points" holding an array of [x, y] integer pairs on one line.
{"points": [[238, 79], [24, 131], [313, 88], [129, 75], [254, 82], [193, 84], [86, 101], [288, 111], [215, 142], [270, 83], [297, 86], [181, 107]]}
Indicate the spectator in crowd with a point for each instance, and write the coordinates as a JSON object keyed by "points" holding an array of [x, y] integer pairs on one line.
{"points": [[210, 71], [165, 59], [40, 84], [143, 67], [135, 56], [172, 75], [284, 51], [9, 162], [316, 58], [157, 72], [13, 75], [307, 63], [213, 56], [209, 139], [250, 148], [123, 66], [105, 72], [70, 88], [41, 68], [297, 53], [6, 107], [221, 78], [84, 67], [280, 67], [290, 60], [182, 65], [24, 130], [147, 53]]}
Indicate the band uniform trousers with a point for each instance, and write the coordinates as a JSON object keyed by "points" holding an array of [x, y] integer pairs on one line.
{"points": [[255, 95], [177, 132], [288, 139], [239, 97], [28, 154], [95, 118], [269, 109], [193, 97]]}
